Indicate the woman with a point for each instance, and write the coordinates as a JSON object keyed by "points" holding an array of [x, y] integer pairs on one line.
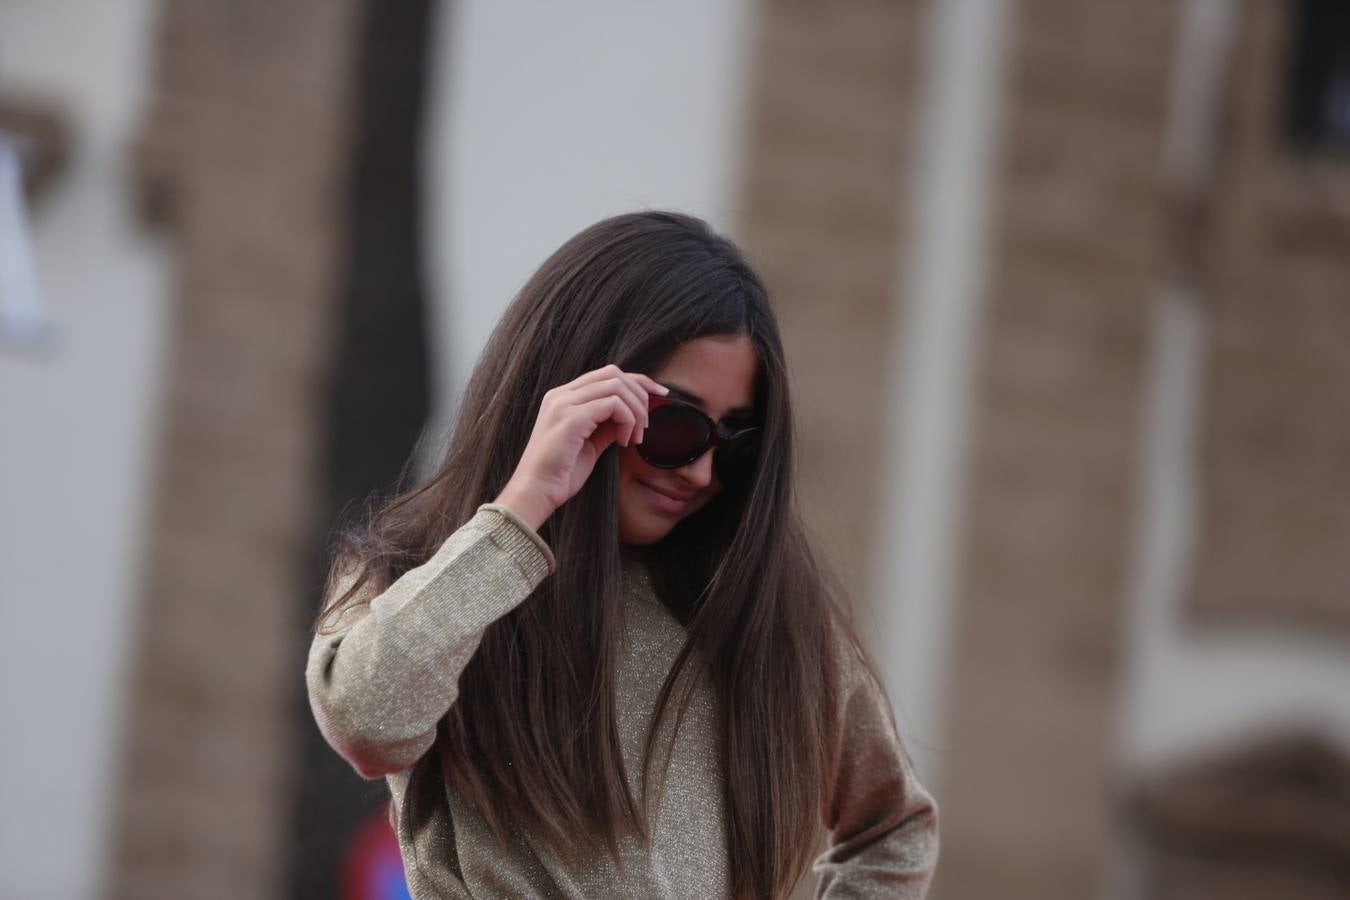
{"points": [[595, 653]]}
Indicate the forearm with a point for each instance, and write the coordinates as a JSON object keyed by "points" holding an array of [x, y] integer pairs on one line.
{"points": [[883, 823], [529, 505], [898, 863], [379, 685]]}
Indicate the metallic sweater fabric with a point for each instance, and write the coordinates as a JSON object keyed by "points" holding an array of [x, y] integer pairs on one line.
{"points": [[380, 683]]}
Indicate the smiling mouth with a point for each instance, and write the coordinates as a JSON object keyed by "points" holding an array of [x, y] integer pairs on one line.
{"points": [[670, 502]]}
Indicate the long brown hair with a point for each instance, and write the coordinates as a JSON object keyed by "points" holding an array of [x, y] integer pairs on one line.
{"points": [[533, 735]]}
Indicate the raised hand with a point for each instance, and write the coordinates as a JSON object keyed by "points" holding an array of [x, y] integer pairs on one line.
{"points": [[576, 422]]}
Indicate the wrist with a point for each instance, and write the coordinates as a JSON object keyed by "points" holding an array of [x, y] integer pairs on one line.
{"points": [[530, 505]]}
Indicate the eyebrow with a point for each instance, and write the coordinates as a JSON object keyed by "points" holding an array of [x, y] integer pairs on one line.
{"points": [[684, 394]]}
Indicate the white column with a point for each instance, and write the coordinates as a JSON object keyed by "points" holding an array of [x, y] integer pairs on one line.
{"points": [[928, 390], [543, 122]]}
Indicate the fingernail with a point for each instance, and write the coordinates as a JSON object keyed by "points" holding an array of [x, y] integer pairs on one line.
{"points": [[664, 389]]}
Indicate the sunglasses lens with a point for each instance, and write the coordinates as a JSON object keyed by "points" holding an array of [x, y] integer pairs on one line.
{"points": [[734, 460], [674, 434]]}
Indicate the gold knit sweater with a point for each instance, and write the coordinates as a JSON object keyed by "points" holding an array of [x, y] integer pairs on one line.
{"points": [[379, 684]]}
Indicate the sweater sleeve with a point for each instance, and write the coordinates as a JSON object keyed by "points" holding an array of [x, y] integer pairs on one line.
{"points": [[882, 823], [381, 681]]}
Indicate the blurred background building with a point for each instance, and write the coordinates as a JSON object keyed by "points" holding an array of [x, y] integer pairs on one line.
{"points": [[1066, 291]]}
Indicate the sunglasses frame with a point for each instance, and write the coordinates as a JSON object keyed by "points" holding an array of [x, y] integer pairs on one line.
{"points": [[718, 433]]}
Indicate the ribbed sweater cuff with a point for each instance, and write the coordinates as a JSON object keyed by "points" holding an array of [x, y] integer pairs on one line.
{"points": [[514, 535]]}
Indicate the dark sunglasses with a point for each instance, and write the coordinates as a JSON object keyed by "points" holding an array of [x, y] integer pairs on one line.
{"points": [[679, 433]]}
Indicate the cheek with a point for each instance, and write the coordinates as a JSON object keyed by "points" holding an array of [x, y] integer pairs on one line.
{"points": [[630, 464], [631, 468]]}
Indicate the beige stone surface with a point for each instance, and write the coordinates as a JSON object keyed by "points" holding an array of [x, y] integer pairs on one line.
{"points": [[830, 139], [829, 142], [241, 156], [1274, 512], [1077, 239]]}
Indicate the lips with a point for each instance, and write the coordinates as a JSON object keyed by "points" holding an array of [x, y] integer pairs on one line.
{"points": [[678, 498], [666, 498]]}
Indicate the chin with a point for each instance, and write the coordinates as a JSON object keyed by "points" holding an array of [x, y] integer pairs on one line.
{"points": [[639, 525], [640, 529]]}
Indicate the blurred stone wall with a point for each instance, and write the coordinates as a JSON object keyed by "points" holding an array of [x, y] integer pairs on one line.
{"points": [[823, 185], [1269, 820], [240, 159], [1076, 265], [1275, 276], [830, 141]]}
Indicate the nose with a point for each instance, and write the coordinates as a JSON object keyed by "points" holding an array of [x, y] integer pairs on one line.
{"points": [[698, 473]]}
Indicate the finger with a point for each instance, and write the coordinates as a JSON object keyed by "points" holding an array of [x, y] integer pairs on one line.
{"points": [[606, 371], [595, 376], [605, 434], [644, 404], [651, 384], [605, 409], [617, 386], [643, 385], [611, 370], [640, 405]]}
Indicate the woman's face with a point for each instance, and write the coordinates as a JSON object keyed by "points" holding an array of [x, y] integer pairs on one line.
{"points": [[717, 374]]}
